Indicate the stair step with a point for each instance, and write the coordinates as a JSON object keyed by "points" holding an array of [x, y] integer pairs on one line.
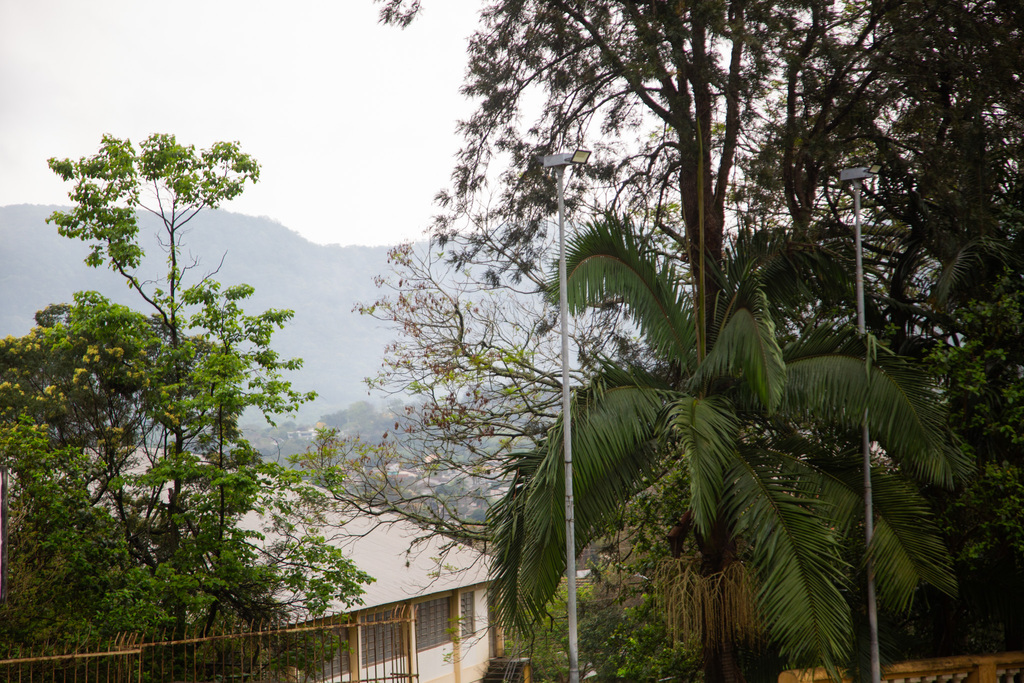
{"points": [[505, 670]]}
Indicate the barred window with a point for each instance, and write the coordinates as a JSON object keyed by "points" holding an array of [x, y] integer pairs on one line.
{"points": [[343, 658], [381, 641], [467, 614], [339, 664], [432, 624]]}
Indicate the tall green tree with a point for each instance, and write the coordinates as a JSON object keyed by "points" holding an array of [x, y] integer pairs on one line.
{"points": [[943, 215], [152, 400], [694, 109], [983, 520], [763, 421], [944, 254], [664, 91]]}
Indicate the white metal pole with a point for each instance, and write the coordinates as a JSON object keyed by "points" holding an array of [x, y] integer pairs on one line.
{"points": [[570, 522], [869, 519], [861, 327]]}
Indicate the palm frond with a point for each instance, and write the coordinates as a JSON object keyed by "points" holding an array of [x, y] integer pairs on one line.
{"points": [[515, 604], [746, 346], [797, 557], [792, 272], [706, 429], [825, 473], [908, 548], [964, 267], [613, 454], [830, 377], [606, 262]]}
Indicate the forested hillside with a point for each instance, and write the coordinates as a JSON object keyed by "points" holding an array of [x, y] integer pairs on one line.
{"points": [[320, 283]]}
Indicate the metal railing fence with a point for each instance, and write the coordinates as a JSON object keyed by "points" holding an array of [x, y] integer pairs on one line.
{"points": [[317, 652]]}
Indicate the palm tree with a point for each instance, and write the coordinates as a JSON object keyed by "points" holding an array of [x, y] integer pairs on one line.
{"points": [[760, 429]]}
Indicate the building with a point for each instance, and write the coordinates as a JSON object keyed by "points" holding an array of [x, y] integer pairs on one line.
{"points": [[426, 614]]}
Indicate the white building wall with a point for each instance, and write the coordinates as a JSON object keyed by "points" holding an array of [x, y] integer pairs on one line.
{"points": [[475, 649], [436, 665]]}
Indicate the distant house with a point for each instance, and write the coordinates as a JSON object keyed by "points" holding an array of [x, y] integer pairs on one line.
{"points": [[426, 614], [424, 619]]}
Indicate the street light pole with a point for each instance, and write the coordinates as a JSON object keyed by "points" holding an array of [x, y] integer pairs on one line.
{"points": [[559, 162], [856, 176]]}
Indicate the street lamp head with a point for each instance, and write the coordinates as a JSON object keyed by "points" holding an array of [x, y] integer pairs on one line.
{"points": [[859, 173], [580, 156]]}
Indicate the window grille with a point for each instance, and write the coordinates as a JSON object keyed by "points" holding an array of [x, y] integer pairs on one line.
{"points": [[432, 627], [381, 641], [468, 617], [339, 663]]}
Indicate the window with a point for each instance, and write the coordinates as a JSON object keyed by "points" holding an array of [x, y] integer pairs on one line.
{"points": [[467, 605], [381, 641], [432, 624], [339, 664]]}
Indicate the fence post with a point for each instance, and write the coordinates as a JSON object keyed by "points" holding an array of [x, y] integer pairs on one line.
{"points": [[983, 672]]}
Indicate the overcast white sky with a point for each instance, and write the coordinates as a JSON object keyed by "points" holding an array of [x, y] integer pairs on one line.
{"points": [[353, 123]]}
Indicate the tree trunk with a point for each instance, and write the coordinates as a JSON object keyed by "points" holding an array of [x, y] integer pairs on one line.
{"points": [[721, 665]]}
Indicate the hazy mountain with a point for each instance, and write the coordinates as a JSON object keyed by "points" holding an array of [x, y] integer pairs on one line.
{"points": [[320, 283]]}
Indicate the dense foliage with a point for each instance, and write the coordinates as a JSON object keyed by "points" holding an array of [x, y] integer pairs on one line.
{"points": [[765, 430], [123, 425], [716, 121], [623, 638]]}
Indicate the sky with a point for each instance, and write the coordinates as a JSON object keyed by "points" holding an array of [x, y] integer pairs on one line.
{"points": [[353, 123]]}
